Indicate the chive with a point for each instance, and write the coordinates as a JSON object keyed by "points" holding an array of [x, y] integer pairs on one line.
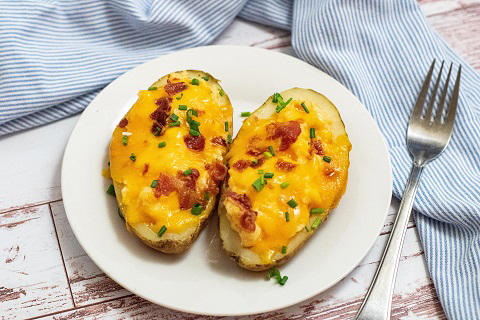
{"points": [[187, 172], [259, 184], [316, 223], [205, 78], [226, 126], [305, 107], [162, 230], [206, 195], [292, 203], [327, 159], [271, 150], [174, 124], [120, 214], [255, 162], [273, 272], [287, 216], [174, 117], [195, 82], [162, 144], [284, 249], [283, 280], [152, 88], [316, 210], [284, 184], [306, 228], [312, 133], [220, 91], [154, 183], [158, 130], [245, 114], [108, 163], [182, 107], [282, 105], [268, 175], [125, 140], [229, 139], [267, 154], [194, 133], [133, 157], [180, 97], [260, 171], [111, 190], [196, 209], [276, 97]]}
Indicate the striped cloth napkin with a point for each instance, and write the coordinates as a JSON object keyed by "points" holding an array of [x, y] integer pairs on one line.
{"points": [[55, 56]]}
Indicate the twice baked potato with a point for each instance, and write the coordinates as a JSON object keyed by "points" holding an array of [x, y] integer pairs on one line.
{"points": [[167, 158], [288, 167]]}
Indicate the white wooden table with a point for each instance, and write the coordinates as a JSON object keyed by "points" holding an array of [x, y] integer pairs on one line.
{"points": [[44, 273]]}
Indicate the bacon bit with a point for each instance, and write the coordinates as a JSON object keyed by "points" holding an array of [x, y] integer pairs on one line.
{"points": [[174, 88], [145, 168], [329, 171], [163, 104], [123, 123], [241, 165], [260, 161], [217, 171], [253, 148], [316, 147], [164, 186], [284, 165], [194, 143], [160, 115], [156, 129], [241, 199], [186, 189], [220, 141], [247, 220], [287, 131]]}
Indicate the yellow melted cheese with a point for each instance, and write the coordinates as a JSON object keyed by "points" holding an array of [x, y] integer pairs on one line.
{"points": [[139, 204], [309, 186]]}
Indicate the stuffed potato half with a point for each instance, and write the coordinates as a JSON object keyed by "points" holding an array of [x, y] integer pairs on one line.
{"points": [[288, 167], [167, 158]]}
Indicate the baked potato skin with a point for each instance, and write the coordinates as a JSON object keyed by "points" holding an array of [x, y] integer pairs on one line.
{"points": [[230, 238], [174, 243]]}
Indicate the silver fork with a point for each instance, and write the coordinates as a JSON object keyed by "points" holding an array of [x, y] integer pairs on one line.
{"points": [[427, 137]]}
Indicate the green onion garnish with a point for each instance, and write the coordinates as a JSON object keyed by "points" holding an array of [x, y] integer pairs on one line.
{"points": [[226, 126], [180, 97], [259, 184], [305, 107], [268, 175], [229, 139], [206, 195], [282, 105], [194, 133], [162, 144], [284, 249], [205, 78], [292, 203], [108, 163], [196, 209], [125, 140], [154, 184], [174, 124], [316, 223], [271, 150], [182, 107], [287, 216], [306, 228], [312, 133], [220, 91], [111, 190], [174, 117], [158, 130], [120, 214], [162, 230], [316, 210], [245, 114], [276, 97], [195, 82], [273, 273], [267, 154], [133, 157], [152, 88], [284, 184], [261, 171], [283, 280], [327, 159], [255, 162], [187, 172]]}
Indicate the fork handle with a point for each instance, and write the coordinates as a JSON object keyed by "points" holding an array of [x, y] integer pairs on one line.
{"points": [[378, 301]]}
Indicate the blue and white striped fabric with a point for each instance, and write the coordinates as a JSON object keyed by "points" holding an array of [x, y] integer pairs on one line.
{"points": [[55, 56]]}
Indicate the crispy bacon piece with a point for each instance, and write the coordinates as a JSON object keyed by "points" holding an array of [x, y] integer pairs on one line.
{"points": [[260, 161], [253, 148], [123, 123], [160, 115], [242, 199], [165, 185], [217, 172], [156, 129], [329, 171], [316, 147], [186, 189], [241, 165], [172, 88], [219, 140], [285, 165], [163, 103], [247, 219], [194, 143], [145, 168], [288, 132]]}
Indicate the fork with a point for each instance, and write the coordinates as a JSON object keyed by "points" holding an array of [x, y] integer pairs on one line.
{"points": [[427, 136]]}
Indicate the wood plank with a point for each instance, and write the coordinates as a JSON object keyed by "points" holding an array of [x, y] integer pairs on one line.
{"points": [[88, 283], [32, 276]]}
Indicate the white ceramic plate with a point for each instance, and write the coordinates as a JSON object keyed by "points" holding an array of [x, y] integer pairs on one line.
{"points": [[204, 280]]}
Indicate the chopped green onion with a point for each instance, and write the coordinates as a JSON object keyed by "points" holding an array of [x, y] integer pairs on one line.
{"points": [[194, 133], [195, 82], [261, 171], [316, 210], [287, 216], [292, 203], [133, 157], [162, 144], [220, 91], [120, 214], [180, 97], [316, 223], [174, 124], [125, 140], [187, 172], [283, 280], [206, 195], [312, 133], [327, 159], [154, 184], [305, 107], [205, 78], [162, 230], [196, 209], [259, 184], [273, 272], [174, 117], [152, 88], [284, 184], [282, 105], [226, 126], [306, 228], [255, 162], [284, 249], [271, 150], [268, 175], [111, 190], [182, 107], [108, 163], [267, 154], [276, 97], [158, 130], [245, 114], [229, 139]]}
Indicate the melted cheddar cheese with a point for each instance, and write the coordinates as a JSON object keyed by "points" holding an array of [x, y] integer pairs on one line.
{"points": [[313, 183], [138, 202]]}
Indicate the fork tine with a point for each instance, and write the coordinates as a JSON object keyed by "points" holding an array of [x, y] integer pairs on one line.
{"points": [[417, 110], [452, 109], [438, 116], [428, 115]]}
